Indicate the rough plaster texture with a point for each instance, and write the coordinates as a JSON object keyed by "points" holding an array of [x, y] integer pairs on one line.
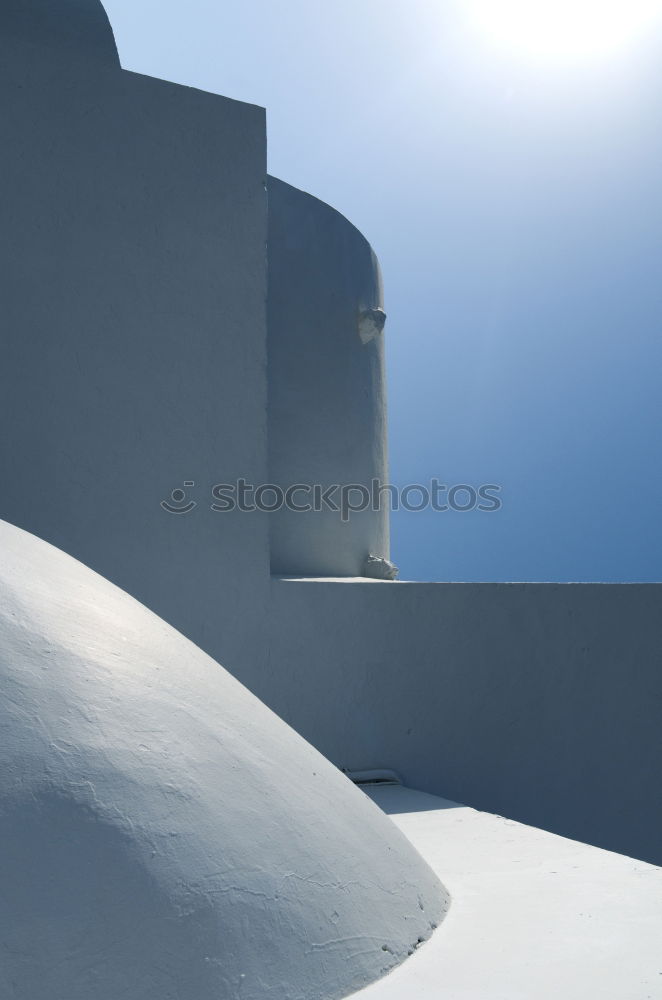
{"points": [[163, 833], [327, 417], [535, 701], [534, 916], [133, 274]]}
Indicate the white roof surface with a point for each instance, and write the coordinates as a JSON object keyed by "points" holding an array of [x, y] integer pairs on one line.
{"points": [[533, 916]]}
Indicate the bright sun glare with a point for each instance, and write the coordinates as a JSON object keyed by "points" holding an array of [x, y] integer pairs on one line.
{"points": [[565, 29]]}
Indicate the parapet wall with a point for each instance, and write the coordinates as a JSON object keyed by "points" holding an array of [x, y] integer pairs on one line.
{"points": [[540, 702]]}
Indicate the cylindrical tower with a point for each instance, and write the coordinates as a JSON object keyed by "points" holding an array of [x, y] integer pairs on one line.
{"points": [[327, 418]]}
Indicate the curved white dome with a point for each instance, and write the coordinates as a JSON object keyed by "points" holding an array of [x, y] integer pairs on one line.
{"points": [[164, 834]]}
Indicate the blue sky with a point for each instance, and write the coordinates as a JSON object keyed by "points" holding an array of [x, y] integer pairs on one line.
{"points": [[515, 204]]}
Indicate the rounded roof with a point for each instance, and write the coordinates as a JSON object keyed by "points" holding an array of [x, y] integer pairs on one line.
{"points": [[162, 830], [73, 25]]}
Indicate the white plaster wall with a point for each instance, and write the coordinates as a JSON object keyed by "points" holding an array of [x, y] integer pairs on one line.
{"points": [[540, 702], [133, 285], [327, 413]]}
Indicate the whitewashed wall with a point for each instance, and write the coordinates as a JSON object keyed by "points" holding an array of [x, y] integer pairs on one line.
{"points": [[133, 324], [540, 702]]}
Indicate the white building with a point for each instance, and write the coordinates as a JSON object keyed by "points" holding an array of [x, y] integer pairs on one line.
{"points": [[173, 322]]}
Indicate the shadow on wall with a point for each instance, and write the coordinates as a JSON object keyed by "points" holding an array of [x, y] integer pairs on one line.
{"points": [[535, 701], [396, 800]]}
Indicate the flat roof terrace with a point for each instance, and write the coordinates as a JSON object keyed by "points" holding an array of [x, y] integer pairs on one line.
{"points": [[533, 916]]}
